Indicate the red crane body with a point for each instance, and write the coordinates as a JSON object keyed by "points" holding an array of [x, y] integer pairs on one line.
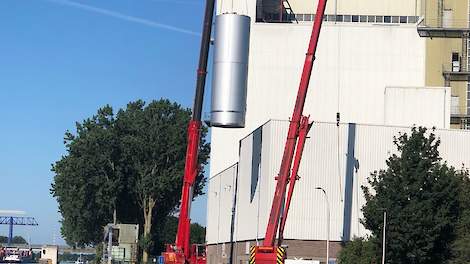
{"points": [[182, 252], [269, 253]]}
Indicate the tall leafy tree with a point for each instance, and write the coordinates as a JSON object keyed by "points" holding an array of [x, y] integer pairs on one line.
{"points": [[131, 162], [153, 144], [420, 194], [87, 181]]}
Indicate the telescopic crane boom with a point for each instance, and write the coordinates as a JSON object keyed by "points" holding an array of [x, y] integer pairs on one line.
{"points": [[182, 252], [299, 126]]}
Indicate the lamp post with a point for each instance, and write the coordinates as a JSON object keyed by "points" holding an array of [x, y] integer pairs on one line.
{"points": [[383, 241], [327, 224]]}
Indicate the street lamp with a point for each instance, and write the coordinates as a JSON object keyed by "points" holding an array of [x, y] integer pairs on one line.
{"points": [[327, 224], [383, 237]]}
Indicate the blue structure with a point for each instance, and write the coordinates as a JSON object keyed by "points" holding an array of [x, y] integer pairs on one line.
{"points": [[16, 220]]}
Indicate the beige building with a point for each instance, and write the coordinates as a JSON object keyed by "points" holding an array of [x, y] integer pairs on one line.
{"points": [[445, 25]]}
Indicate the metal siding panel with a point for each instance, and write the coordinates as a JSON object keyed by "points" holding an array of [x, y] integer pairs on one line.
{"points": [[245, 209], [219, 205], [374, 145], [213, 209], [319, 167], [454, 147], [227, 187]]}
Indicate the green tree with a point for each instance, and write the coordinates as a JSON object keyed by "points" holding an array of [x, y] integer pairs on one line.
{"points": [[15, 240], [131, 162], [359, 251], [167, 234], [420, 194], [460, 247], [18, 240], [88, 179], [153, 144], [198, 234]]}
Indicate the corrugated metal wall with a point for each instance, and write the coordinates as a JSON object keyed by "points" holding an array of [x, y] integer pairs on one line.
{"points": [[336, 158], [220, 197]]}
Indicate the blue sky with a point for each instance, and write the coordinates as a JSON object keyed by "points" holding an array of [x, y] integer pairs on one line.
{"points": [[60, 61]]}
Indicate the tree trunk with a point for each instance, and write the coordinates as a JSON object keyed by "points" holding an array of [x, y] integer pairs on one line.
{"points": [[148, 210]]}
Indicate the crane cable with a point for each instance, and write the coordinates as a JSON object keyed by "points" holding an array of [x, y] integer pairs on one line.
{"points": [[338, 115]]}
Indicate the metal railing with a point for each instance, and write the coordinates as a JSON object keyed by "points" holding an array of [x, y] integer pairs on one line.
{"points": [[444, 23], [453, 67]]}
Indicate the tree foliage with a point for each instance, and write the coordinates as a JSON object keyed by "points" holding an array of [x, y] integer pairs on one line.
{"points": [[18, 240], [153, 145], [14, 240], [88, 179], [132, 161], [359, 251], [461, 245], [167, 234], [420, 194]]}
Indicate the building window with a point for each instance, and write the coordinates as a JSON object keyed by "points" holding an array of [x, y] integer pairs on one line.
{"points": [[271, 11], [412, 19], [256, 160], [455, 62], [289, 17]]}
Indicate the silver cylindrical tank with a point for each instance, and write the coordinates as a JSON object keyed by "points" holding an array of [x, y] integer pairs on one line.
{"points": [[229, 79]]}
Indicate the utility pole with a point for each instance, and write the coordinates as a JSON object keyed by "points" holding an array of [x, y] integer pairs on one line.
{"points": [[383, 241]]}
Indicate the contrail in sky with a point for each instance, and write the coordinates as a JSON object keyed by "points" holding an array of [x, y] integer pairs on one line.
{"points": [[123, 16]]}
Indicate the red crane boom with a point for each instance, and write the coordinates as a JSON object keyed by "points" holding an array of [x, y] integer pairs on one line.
{"points": [[268, 253], [182, 252]]}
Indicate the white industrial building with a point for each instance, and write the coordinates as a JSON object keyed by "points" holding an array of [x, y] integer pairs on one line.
{"points": [[356, 62], [370, 68], [336, 158]]}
